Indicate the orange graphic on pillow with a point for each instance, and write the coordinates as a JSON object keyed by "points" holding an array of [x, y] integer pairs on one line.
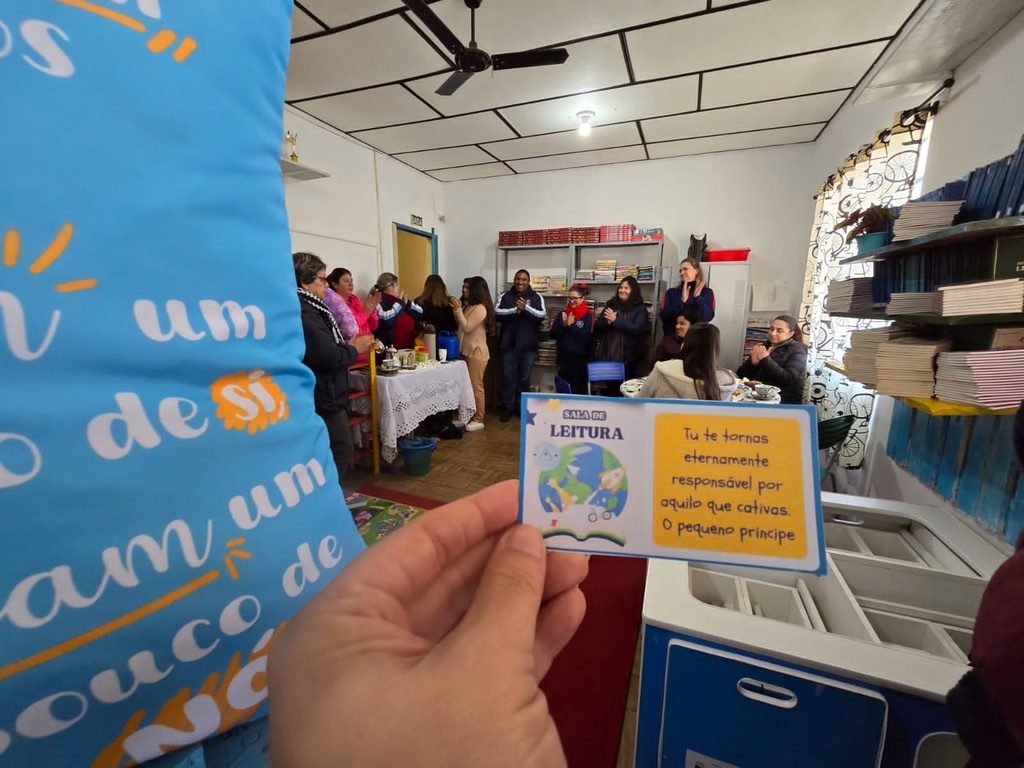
{"points": [[249, 401]]}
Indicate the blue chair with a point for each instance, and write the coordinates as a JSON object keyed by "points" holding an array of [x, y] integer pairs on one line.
{"points": [[605, 370], [562, 386]]}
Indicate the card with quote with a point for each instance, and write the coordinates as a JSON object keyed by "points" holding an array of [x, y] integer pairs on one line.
{"points": [[692, 480]]}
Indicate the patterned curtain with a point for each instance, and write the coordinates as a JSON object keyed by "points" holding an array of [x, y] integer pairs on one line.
{"points": [[882, 172]]}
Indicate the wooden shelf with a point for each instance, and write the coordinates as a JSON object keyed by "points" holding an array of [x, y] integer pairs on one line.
{"points": [[961, 233], [300, 172], [873, 314], [354, 419], [934, 407]]}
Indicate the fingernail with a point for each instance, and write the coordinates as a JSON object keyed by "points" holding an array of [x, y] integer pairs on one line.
{"points": [[526, 539]]}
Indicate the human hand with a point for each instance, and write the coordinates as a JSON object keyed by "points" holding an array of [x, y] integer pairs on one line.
{"points": [[758, 353], [565, 318], [451, 621], [610, 315], [403, 298], [521, 304], [701, 285], [363, 343], [456, 304], [372, 300]]}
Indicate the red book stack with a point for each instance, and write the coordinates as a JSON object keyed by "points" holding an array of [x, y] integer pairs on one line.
{"points": [[558, 236], [510, 237], [586, 234], [533, 237], [617, 233]]}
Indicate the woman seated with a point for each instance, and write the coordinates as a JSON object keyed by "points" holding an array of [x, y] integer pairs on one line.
{"points": [[672, 344], [434, 306], [694, 375], [781, 361]]}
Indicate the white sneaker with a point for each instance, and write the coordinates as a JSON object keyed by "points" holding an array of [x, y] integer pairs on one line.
{"points": [[474, 426], [458, 424]]}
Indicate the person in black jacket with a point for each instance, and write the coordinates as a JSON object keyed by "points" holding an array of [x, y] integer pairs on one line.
{"points": [[572, 330], [327, 355], [520, 313], [781, 361], [620, 325], [434, 306]]}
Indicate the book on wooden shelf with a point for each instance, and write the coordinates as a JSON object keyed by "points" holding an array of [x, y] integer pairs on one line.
{"points": [[917, 219], [906, 366], [989, 378], [859, 360], [912, 304], [849, 295], [987, 297]]}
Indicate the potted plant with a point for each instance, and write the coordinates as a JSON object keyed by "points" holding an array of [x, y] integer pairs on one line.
{"points": [[869, 227]]}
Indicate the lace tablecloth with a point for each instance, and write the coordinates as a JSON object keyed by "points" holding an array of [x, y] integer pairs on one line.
{"points": [[407, 398]]}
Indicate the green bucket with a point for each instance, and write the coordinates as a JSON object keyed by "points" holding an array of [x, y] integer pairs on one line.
{"points": [[416, 454]]}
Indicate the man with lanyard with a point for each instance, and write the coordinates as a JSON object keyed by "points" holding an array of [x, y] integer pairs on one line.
{"points": [[520, 313]]}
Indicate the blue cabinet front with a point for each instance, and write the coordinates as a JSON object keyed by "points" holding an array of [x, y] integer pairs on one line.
{"points": [[730, 710]]}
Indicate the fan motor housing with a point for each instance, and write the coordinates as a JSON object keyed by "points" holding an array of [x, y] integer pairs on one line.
{"points": [[473, 60]]}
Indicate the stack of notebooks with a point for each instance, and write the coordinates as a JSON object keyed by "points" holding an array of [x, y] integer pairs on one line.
{"points": [[859, 360], [912, 304], [645, 274], [547, 353], [604, 270], [919, 219], [849, 295], [625, 270], [584, 276], [906, 366], [991, 379], [989, 297]]}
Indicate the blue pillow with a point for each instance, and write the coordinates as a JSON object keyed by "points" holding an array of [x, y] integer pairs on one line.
{"points": [[167, 494]]}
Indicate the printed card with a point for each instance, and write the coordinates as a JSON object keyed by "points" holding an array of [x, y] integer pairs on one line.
{"points": [[691, 480]]}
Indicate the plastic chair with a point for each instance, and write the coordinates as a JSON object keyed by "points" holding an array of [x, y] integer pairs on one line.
{"points": [[562, 386], [605, 370], [831, 436]]}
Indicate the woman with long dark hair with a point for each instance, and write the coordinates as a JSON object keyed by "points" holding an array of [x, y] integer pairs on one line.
{"points": [[671, 345], [695, 374], [620, 325], [781, 361], [691, 293], [434, 306], [475, 322], [572, 329]]}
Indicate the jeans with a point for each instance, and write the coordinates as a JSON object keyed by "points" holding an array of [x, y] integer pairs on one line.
{"points": [[516, 367], [340, 435]]}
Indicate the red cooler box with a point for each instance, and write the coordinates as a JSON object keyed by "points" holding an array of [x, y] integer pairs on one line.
{"points": [[739, 254]]}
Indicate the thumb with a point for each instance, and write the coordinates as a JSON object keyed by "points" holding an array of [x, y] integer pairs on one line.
{"points": [[504, 612]]}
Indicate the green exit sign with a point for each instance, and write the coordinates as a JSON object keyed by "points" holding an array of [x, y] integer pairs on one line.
{"points": [[417, 221]]}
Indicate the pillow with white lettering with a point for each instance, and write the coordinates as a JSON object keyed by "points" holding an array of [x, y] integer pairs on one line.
{"points": [[167, 494]]}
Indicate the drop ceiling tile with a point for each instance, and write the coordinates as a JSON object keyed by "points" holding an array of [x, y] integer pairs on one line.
{"points": [[381, 52], [518, 25], [631, 102], [359, 110], [303, 24], [336, 14], [735, 141], [448, 132], [831, 70], [601, 137], [600, 157], [593, 64], [446, 158], [770, 114], [471, 172], [761, 31]]}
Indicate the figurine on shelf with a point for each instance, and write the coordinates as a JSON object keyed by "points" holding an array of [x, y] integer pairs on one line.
{"points": [[291, 139]]}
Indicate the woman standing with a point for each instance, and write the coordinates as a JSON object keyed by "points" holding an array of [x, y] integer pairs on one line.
{"points": [[327, 355], [365, 315], [573, 331], [692, 293], [395, 327], [694, 375], [475, 322], [434, 307], [780, 361], [672, 344], [620, 325]]}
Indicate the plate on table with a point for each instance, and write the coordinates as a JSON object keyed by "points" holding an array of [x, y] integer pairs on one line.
{"points": [[632, 387], [773, 395]]}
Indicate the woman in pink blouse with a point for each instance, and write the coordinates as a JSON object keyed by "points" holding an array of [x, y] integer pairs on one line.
{"points": [[365, 315]]}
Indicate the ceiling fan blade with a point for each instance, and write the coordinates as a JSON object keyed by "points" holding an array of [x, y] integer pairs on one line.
{"points": [[542, 58], [431, 21], [453, 83]]}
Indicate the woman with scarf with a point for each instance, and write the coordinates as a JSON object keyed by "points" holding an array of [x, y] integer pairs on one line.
{"points": [[573, 329], [327, 355]]}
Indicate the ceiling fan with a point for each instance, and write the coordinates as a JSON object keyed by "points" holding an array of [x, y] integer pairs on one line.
{"points": [[470, 59]]}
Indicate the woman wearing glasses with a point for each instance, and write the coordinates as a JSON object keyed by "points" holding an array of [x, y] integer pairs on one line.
{"points": [[573, 330]]}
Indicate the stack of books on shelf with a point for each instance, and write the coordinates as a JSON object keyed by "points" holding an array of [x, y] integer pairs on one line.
{"points": [[584, 276], [547, 353], [849, 295], [645, 274], [626, 270], [558, 236], [859, 360], [912, 304], [617, 233], [648, 235], [989, 297], [604, 270], [510, 237], [906, 366], [997, 189], [539, 283], [991, 379], [557, 284], [534, 237], [757, 332], [586, 234], [917, 219]]}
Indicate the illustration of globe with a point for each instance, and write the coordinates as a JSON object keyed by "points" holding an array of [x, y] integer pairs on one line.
{"points": [[588, 483]]}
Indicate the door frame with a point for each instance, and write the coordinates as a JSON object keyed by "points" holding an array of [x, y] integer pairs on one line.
{"points": [[432, 234]]}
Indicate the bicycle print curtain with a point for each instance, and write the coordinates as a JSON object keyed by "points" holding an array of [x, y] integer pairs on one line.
{"points": [[882, 172]]}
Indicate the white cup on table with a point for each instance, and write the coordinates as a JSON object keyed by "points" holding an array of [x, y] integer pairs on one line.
{"points": [[442, 355]]}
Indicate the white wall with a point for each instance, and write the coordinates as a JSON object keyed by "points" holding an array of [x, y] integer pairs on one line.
{"points": [[347, 219], [761, 199]]}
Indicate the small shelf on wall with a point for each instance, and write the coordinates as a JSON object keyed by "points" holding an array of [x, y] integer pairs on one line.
{"points": [[300, 172], [961, 233]]}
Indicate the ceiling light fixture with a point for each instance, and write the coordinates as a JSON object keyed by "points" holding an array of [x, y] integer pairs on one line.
{"points": [[585, 117]]}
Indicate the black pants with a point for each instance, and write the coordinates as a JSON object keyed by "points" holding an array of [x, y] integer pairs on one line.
{"points": [[573, 368], [341, 440]]}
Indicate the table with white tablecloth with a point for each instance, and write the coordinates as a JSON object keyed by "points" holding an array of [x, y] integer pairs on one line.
{"points": [[406, 398], [632, 387]]}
